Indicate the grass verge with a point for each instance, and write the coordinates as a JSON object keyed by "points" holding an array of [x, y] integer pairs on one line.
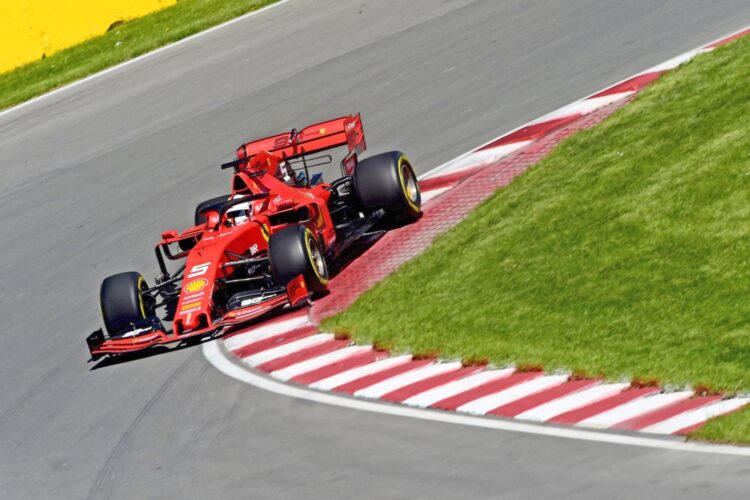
{"points": [[122, 42], [733, 429], [625, 253]]}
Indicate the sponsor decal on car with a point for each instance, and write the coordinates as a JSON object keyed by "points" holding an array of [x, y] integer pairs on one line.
{"points": [[252, 301], [249, 312], [193, 296], [264, 231], [199, 270], [190, 306], [196, 285], [135, 333], [189, 311]]}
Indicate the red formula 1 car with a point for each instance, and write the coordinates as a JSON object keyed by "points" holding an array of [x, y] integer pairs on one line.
{"points": [[267, 245]]}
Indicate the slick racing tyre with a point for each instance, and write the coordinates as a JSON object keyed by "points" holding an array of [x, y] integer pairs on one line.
{"points": [[123, 302], [294, 251], [387, 181], [212, 204]]}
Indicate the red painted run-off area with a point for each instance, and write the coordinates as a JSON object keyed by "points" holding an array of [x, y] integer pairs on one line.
{"points": [[524, 404], [275, 341], [581, 414], [654, 417], [404, 393]]}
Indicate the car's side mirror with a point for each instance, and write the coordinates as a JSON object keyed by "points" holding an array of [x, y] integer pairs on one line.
{"points": [[213, 219]]}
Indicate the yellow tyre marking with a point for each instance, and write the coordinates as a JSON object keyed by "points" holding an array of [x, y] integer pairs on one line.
{"points": [[308, 237], [403, 184], [141, 281]]}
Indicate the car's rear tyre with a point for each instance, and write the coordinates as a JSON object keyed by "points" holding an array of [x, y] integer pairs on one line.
{"points": [[208, 205], [388, 181], [123, 303], [294, 251]]}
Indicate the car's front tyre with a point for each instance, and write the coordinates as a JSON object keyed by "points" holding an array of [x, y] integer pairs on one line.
{"points": [[294, 250], [123, 302]]}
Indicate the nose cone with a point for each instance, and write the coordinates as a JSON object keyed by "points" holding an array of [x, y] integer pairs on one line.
{"points": [[193, 307]]}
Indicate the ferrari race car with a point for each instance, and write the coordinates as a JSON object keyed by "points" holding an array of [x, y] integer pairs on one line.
{"points": [[265, 246]]}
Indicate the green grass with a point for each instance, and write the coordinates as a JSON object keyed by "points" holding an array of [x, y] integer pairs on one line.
{"points": [[733, 428], [122, 42], [625, 253]]}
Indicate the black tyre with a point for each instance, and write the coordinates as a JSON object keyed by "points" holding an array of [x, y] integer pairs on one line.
{"points": [[123, 302], [294, 251], [212, 204], [387, 181]]}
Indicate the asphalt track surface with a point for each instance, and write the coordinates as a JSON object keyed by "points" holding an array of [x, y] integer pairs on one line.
{"points": [[91, 176]]}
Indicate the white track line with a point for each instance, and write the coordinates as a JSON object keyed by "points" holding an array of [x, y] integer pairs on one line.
{"points": [[147, 55], [584, 106], [477, 158], [265, 331], [696, 416], [634, 408], [219, 360], [319, 362], [432, 193], [578, 399], [361, 371], [432, 396], [287, 349], [681, 59], [403, 379], [513, 393]]}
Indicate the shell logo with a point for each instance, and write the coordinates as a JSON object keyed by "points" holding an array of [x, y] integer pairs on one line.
{"points": [[196, 285], [322, 131]]}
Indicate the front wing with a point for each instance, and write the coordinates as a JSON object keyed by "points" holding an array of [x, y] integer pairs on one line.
{"points": [[152, 333]]}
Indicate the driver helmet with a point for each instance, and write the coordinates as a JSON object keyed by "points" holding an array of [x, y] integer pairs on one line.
{"points": [[240, 213]]}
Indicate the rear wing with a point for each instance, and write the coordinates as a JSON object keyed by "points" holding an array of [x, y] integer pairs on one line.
{"points": [[318, 137]]}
